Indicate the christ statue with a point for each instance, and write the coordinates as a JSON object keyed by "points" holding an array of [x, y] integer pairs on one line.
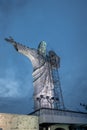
{"points": [[42, 75]]}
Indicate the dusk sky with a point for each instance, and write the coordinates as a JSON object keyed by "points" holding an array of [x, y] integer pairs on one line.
{"points": [[63, 25]]}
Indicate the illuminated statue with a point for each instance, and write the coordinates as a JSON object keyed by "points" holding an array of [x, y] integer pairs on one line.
{"points": [[42, 75]]}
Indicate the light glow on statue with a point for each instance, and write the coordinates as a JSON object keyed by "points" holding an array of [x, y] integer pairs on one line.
{"points": [[42, 73]]}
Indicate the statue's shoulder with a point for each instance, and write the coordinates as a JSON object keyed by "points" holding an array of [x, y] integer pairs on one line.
{"points": [[33, 51]]}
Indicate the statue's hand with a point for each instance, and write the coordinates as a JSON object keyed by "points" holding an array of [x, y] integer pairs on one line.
{"points": [[10, 40]]}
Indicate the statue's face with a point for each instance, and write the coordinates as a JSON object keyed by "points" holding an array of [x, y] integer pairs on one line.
{"points": [[42, 48]]}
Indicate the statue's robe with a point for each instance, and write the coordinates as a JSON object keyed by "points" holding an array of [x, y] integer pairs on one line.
{"points": [[42, 76]]}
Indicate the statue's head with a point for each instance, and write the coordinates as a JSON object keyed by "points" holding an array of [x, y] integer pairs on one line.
{"points": [[42, 48]]}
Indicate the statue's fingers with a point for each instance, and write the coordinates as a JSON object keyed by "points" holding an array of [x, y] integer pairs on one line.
{"points": [[10, 40], [7, 39]]}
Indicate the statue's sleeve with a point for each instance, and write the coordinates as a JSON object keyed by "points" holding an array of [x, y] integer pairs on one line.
{"points": [[29, 52]]}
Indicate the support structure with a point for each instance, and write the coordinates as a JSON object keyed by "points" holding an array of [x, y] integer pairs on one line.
{"points": [[55, 64]]}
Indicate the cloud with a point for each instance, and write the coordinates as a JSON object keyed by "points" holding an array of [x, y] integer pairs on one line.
{"points": [[10, 86], [15, 93]]}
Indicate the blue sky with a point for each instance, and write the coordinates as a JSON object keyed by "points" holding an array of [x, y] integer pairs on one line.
{"points": [[63, 25]]}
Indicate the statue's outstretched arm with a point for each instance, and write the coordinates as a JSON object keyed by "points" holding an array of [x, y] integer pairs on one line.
{"points": [[29, 52], [12, 41]]}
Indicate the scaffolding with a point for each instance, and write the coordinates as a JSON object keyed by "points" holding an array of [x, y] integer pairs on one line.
{"points": [[55, 64]]}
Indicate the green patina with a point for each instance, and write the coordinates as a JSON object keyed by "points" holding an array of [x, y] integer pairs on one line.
{"points": [[42, 48]]}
